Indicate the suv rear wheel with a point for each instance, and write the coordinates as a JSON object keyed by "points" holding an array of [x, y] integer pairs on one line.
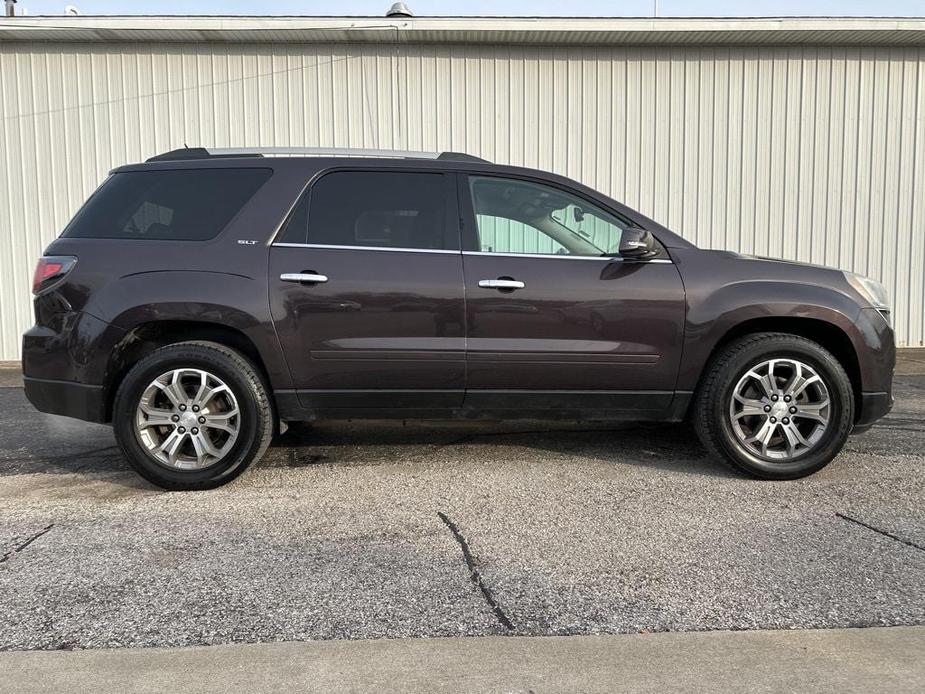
{"points": [[775, 405], [192, 415]]}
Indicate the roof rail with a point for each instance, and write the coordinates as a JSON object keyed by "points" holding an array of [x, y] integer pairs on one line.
{"points": [[460, 156], [186, 153], [219, 152]]}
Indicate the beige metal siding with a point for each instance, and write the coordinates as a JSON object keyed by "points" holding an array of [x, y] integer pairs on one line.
{"points": [[810, 153]]}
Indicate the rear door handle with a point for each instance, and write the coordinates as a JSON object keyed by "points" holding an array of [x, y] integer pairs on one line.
{"points": [[306, 277], [501, 284]]}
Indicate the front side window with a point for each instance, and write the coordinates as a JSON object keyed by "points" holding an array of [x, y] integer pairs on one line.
{"points": [[514, 216], [176, 204], [373, 209]]}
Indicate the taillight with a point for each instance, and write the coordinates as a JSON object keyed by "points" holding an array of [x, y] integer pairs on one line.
{"points": [[50, 270]]}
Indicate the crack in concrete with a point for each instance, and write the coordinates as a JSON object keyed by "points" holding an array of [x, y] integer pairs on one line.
{"points": [[880, 532], [475, 575], [29, 541]]}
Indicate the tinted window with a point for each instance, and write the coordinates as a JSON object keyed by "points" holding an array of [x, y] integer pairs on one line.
{"points": [[514, 216], [187, 205], [374, 209]]}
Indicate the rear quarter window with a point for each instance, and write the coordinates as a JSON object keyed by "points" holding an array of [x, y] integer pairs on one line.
{"points": [[177, 204]]}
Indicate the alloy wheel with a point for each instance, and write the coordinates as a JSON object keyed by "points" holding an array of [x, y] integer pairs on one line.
{"points": [[187, 419], [780, 409]]}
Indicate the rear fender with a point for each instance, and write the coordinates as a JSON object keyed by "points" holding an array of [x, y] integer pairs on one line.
{"points": [[237, 302]]}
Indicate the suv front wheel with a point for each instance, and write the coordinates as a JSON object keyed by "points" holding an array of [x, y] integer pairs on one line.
{"points": [[192, 415], [775, 405]]}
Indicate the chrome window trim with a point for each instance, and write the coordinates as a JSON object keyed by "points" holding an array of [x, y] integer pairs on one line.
{"points": [[608, 258], [363, 248]]}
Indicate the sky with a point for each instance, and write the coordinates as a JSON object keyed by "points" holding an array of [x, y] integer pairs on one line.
{"points": [[622, 8]]}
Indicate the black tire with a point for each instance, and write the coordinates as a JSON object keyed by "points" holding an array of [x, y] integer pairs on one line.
{"points": [[711, 404], [256, 418]]}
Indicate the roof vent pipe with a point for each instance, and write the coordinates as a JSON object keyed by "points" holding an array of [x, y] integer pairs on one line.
{"points": [[11, 10], [399, 9]]}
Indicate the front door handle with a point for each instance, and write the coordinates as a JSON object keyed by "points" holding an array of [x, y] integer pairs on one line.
{"points": [[501, 284], [306, 277]]}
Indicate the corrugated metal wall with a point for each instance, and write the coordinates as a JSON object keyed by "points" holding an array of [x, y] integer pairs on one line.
{"points": [[815, 154]]}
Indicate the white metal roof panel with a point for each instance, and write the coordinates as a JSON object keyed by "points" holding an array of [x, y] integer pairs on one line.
{"points": [[493, 30]]}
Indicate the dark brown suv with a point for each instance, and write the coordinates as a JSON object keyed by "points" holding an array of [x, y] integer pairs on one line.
{"points": [[203, 297]]}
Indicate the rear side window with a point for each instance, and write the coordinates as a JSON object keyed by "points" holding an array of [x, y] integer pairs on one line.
{"points": [[375, 209], [179, 204]]}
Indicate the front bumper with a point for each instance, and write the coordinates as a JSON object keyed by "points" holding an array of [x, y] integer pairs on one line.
{"points": [[876, 351], [873, 406], [66, 398]]}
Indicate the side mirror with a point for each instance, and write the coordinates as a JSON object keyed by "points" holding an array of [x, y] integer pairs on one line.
{"points": [[637, 244]]}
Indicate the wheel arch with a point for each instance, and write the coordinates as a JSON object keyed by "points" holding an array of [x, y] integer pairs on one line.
{"points": [[828, 335], [146, 337]]}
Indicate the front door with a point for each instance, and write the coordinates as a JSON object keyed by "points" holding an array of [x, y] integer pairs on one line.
{"points": [[555, 319], [366, 292]]}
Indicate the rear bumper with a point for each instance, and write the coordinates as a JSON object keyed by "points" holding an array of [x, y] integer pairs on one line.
{"points": [[66, 398], [64, 363], [873, 406]]}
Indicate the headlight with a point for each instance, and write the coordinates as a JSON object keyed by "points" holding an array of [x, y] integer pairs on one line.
{"points": [[871, 290]]}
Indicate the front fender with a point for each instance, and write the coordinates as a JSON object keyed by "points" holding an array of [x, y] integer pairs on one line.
{"points": [[712, 316]]}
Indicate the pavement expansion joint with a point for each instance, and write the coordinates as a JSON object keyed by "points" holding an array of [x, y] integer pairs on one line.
{"points": [[475, 574]]}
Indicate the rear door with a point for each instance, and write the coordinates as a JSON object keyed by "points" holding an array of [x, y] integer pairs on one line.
{"points": [[555, 319], [366, 291]]}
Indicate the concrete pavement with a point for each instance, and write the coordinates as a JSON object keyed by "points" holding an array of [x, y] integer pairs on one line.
{"points": [[844, 661]]}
